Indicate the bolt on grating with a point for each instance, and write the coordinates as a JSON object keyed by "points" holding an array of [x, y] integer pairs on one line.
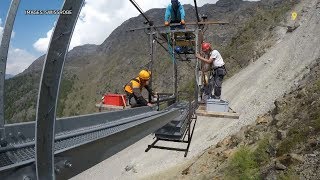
{"points": [[5, 160]]}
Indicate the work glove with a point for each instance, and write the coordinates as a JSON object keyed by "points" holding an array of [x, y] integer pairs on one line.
{"points": [[182, 22], [166, 23]]}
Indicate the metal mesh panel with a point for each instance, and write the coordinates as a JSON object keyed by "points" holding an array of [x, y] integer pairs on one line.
{"points": [[5, 160], [28, 153]]}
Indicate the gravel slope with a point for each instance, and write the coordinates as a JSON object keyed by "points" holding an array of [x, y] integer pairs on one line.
{"points": [[251, 92]]}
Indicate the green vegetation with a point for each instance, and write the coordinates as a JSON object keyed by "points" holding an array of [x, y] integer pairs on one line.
{"points": [[65, 88], [296, 135], [317, 85], [260, 154], [316, 124], [188, 88], [242, 165], [288, 175], [245, 163], [21, 96]]}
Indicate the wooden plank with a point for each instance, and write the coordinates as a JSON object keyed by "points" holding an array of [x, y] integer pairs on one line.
{"points": [[230, 115], [202, 107], [184, 43]]}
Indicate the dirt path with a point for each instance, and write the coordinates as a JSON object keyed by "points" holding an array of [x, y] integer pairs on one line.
{"points": [[251, 93]]}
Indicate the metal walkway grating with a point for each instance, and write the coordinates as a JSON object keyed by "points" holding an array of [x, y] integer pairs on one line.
{"points": [[5, 160], [20, 155]]}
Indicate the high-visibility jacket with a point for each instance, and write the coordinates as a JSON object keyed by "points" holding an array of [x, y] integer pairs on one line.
{"points": [[134, 87], [135, 83]]}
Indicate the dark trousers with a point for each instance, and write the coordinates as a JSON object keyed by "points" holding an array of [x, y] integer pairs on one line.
{"points": [[134, 100], [215, 82], [176, 26]]}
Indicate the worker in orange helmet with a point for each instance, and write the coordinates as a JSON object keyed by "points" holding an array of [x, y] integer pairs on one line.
{"points": [[214, 58], [175, 13], [134, 87]]}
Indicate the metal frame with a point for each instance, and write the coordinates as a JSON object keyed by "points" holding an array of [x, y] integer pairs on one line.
{"points": [[151, 41], [49, 89], [175, 68], [174, 24], [4, 48], [197, 80], [188, 134], [20, 133], [100, 142], [200, 25], [186, 137]]}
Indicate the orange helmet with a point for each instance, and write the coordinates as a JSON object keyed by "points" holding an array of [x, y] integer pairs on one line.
{"points": [[144, 75], [206, 46]]}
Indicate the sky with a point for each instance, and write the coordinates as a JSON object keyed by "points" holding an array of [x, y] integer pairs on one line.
{"points": [[32, 33]]}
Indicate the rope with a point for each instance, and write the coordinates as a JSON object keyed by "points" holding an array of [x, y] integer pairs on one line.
{"points": [[170, 48]]}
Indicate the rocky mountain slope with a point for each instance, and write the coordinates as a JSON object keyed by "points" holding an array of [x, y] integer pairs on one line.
{"points": [[92, 70], [278, 98], [282, 144]]}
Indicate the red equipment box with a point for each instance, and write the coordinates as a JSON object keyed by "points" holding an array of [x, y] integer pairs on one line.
{"points": [[114, 99]]}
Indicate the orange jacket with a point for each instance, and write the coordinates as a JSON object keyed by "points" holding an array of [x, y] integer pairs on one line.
{"points": [[134, 86], [135, 83]]}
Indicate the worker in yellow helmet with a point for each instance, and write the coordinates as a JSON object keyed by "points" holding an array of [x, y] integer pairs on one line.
{"points": [[134, 89]]}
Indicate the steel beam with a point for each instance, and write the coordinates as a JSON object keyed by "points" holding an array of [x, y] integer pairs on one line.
{"points": [[175, 70], [4, 48], [72, 152], [49, 89], [106, 147], [151, 41], [25, 132], [196, 88], [176, 24]]}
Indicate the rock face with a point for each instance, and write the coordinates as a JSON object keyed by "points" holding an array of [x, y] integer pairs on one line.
{"points": [[281, 134], [230, 4], [279, 166]]}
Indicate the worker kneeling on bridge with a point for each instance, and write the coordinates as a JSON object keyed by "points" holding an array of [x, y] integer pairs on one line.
{"points": [[134, 89]]}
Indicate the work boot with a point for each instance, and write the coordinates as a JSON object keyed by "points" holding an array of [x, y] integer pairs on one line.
{"points": [[216, 97]]}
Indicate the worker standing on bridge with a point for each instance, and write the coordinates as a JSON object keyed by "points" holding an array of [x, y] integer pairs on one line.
{"points": [[214, 58], [134, 89], [175, 13]]}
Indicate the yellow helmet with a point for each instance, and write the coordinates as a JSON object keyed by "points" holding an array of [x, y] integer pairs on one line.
{"points": [[144, 75]]}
